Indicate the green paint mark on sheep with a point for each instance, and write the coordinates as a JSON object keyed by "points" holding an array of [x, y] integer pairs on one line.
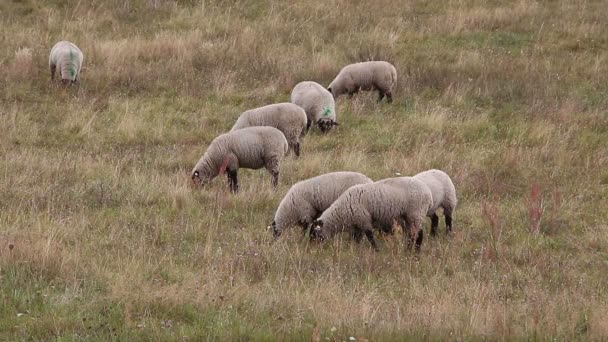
{"points": [[326, 111], [72, 67]]}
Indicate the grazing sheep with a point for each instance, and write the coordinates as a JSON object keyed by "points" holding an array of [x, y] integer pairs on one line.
{"points": [[375, 75], [68, 58], [361, 207], [287, 117], [306, 200], [317, 102], [250, 148], [444, 196]]}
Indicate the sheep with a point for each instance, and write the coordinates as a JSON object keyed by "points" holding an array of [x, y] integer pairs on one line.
{"points": [[307, 199], [375, 75], [250, 148], [68, 58], [444, 196], [317, 102], [359, 208], [287, 117]]}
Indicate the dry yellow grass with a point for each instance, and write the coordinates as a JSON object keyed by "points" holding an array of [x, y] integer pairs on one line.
{"points": [[102, 236]]}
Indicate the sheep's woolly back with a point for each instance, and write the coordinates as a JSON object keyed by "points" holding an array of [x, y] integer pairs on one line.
{"points": [[441, 187], [246, 148], [286, 117], [68, 58], [307, 199], [377, 203], [364, 76], [317, 102]]}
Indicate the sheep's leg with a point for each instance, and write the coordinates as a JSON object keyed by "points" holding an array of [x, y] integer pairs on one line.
{"points": [[414, 234], [272, 164], [380, 95], [406, 226], [233, 181], [357, 235], [308, 124], [434, 224], [409, 239], [53, 70], [296, 149], [275, 178], [306, 228], [419, 239], [448, 223], [447, 212], [403, 224], [389, 97], [370, 236]]}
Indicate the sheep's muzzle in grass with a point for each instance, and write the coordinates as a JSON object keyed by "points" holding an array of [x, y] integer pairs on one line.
{"points": [[316, 234], [196, 179]]}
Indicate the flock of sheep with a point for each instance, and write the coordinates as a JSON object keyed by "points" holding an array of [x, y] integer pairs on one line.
{"points": [[327, 204]]}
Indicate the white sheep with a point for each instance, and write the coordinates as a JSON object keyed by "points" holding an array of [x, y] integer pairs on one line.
{"points": [[317, 102], [250, 148], [359, 208], [68, 58], [375, 75], [287, 117], [306, 200], [444, 196]]}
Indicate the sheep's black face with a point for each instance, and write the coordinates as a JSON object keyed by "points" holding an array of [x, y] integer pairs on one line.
{"points": [[332, 93], [326, 125], [275, 231], [196, 179], [316, 231]]}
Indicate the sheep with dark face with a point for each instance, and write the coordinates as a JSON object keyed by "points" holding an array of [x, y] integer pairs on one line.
{"points": [[68, 58], [317, 102], [306, 200], [375, 75], [361, 207], [250, 148], [444, 196]]}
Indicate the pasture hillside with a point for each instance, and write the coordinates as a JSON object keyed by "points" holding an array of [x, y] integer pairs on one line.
{"points": [[102, 235]]}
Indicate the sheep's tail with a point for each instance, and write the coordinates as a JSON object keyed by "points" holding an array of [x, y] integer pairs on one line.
{"points": [[393, 75]]}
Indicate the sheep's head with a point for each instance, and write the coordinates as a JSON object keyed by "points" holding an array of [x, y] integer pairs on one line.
{"points": [[67, 81], [316, 231], [325, 125], [199, 179], [276, 232]]}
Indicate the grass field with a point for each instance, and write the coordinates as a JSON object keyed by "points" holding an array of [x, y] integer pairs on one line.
{"points": [[103, 237]]}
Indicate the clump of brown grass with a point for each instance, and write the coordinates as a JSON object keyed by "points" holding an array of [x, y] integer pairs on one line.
{"points": [[22, 65], [492, 248], [536, 207], [40, 257]]}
